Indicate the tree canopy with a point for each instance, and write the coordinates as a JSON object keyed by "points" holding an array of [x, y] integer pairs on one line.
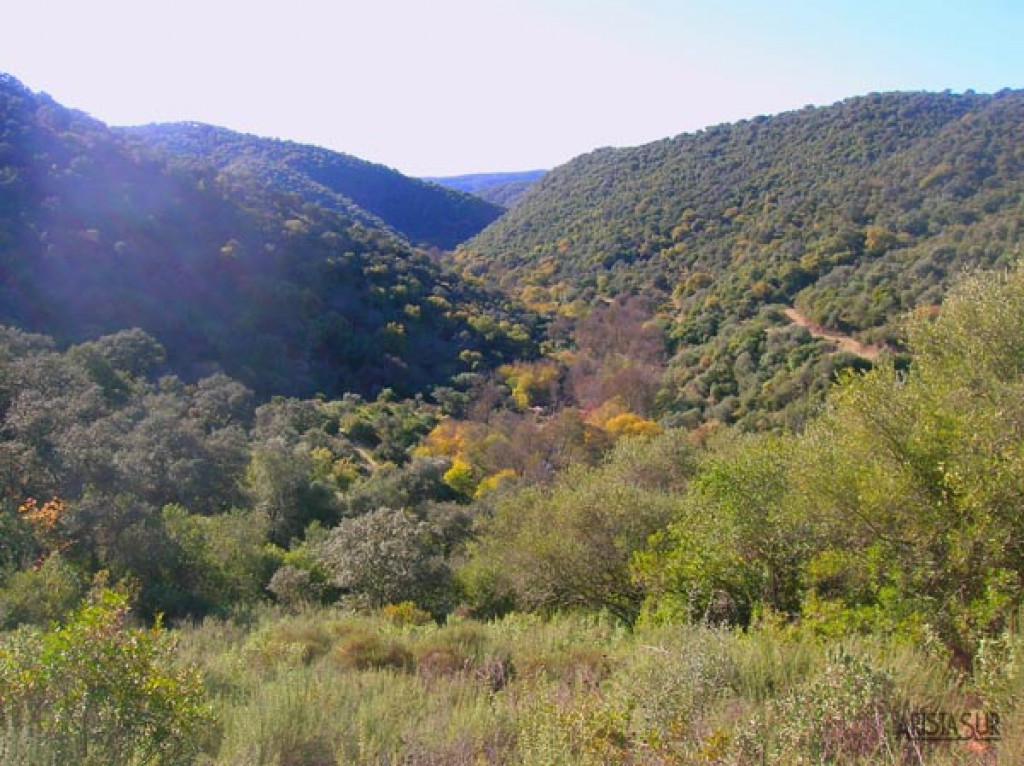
{"points": [[853, 214]]}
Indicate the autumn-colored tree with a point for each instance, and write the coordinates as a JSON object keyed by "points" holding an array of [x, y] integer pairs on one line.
{"points": [[533, 384], [619, 354], [47, 521], [617, 421]]}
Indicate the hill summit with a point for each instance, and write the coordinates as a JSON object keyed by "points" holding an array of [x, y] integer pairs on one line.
{"points": [[423, 213]]}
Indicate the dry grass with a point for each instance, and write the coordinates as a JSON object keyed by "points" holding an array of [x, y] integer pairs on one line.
{"points": [[324, 688]]}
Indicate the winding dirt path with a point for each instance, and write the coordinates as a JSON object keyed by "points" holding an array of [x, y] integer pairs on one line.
{"points": [[844, 342]]}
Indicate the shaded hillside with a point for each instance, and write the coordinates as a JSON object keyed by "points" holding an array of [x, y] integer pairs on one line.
{"points": [[98, 234], [854, 213], [422, 213], [503, 189]]}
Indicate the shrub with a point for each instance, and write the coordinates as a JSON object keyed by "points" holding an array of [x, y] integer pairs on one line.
{"points": [[585, 730], [387, 557], [405, 613], [292, 641], [842, 715], [100, 693], [674, 683], [365, 650], [41, 595]]}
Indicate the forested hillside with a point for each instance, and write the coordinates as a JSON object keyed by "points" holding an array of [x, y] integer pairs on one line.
{"points": [[668, 599], [229, 272], [278, 489], [423, 213], [854, 214]]}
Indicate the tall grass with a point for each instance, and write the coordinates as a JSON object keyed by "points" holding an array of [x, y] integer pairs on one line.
{"points": [[324, 688]]}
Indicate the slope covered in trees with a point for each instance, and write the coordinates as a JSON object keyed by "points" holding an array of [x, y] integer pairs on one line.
{"points": [[177, 488], [228, 271], [712, 596], [423, 213], [896, 510], [855, 214], [873, 561]]}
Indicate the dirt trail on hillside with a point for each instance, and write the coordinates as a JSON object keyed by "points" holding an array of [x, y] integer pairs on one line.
{"points": [[844, 342]]}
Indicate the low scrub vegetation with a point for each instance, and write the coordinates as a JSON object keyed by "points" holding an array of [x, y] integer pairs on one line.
{"points": [[328, 687]]}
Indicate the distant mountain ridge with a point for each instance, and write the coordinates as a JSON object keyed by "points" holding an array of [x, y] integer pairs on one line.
{"points": [[503, 189], [423, 213], [230, 271]]}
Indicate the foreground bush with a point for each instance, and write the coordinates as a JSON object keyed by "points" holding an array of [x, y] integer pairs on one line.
{"points": [[95, 692]]}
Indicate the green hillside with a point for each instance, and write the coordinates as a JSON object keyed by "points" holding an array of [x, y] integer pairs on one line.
{"points": [[568, 557], [424, 214], [229, 272], [854, 214]]}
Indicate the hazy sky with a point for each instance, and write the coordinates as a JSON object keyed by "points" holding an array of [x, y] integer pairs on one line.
{"points": [[452, 86]]}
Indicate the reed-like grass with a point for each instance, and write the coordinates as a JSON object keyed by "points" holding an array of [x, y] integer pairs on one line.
{"points": [[326, 688]]}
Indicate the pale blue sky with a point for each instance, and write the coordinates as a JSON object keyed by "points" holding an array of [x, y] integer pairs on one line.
{"points": [[437, 87]]}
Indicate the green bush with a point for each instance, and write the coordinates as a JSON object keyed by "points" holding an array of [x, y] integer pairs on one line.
{"points": [[672, 681], [99, 693], [41, 595], [585, 730]]}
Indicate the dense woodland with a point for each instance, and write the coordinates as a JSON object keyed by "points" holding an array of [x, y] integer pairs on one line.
{"points": [[425, 214], [281, 488], [855, 214], [229, 272]]}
